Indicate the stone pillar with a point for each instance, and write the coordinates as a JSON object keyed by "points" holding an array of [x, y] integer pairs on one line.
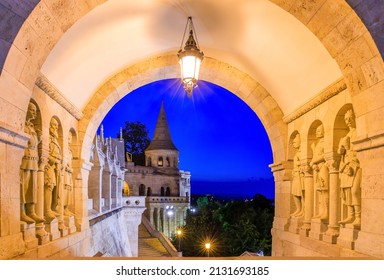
{"points": [[106, 189], [94, 185], [151, 211], [334, 202], [113, 190], [81, 193], [132, 217], [119, 186], [41, 233], [62, 227], [309, 197], [282, 173]]}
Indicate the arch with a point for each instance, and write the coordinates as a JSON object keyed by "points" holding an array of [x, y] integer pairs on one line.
{"points": [[59, 130], [166, 66], [340, 129], [314, 16], [291, 149], [142, 190], [312, 137], [168, 191], [352, 48], [149, 191], [160, 161]]}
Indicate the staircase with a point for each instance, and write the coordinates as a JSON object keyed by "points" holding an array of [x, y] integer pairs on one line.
{"points": [[149, 246]]}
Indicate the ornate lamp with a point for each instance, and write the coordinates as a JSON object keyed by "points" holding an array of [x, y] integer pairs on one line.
{"points": [[190, 59]]}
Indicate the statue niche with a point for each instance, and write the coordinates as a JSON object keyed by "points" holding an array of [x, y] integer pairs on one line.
{"points": [[297, 187], [68, 180], [350, 174], [28, 170], [52, 175], [320, 175]]}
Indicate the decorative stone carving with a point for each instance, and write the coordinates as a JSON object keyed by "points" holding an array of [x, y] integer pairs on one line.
{"points": [[28, 171], [52, 175], [297, 188], [321, 174], [68, 180], [350, 174], [45, 85], [331, 91]]}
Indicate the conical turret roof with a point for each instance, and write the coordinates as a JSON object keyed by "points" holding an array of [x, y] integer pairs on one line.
{"points": [[162, 139]]}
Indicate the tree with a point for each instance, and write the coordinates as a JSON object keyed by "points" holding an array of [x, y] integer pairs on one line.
{"points": [[136, 139], [233, 227]]}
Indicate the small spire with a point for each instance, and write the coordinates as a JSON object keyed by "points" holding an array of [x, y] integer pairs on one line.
{"points": [[102, 133], [121, 134]]}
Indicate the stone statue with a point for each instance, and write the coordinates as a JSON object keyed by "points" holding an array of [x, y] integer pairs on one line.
{"points": [[68, 179], [28, 171], [320, 174], [52, 176], [350, 174], [297, 180]]}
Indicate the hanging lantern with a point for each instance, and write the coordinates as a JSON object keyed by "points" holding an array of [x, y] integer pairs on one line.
{"points": [[190, 59]]}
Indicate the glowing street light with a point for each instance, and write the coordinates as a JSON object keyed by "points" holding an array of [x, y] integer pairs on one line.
{"points": [[179, 232], [170, 212], [207, 247]]}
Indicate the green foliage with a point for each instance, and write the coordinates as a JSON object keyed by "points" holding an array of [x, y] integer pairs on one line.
{"points": [[136, 139], [232, 228]]}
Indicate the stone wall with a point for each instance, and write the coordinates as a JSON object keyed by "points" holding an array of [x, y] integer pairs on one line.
{"points": [[317, 220]]}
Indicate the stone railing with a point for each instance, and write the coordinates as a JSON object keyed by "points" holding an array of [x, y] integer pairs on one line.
{"points": [[167, 199], [133, 201]]}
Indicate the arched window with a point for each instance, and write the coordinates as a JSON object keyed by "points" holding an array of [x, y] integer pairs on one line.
{"points": [[149, 191], [168, 161], [162, 191], [149, 161], [168, 192], [160, 161], [141, 190]]}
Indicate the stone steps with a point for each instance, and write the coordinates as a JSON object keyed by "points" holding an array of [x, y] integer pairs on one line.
{"points": [[150, 246]]}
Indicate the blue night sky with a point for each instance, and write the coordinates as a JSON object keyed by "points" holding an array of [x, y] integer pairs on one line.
{"points": [[221, 140]]}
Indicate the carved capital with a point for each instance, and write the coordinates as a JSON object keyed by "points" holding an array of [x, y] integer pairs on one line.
{"points": [[306, 169], [43, 160], [333, 162]]}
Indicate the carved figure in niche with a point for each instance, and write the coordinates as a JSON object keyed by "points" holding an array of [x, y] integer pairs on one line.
{"points": [[297, 180], [53, 171], [350, 174], [320, 174], [28, 171], [68, 185]]}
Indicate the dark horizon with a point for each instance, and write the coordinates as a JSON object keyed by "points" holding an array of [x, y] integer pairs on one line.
{"points": [[239, 189]]}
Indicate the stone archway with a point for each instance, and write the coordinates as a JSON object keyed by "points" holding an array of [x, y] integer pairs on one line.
{"points": [[333, 22], [163, 67]]}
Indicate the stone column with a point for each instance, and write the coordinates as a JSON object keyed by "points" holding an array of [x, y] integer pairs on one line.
{"points": [[334, 199], [41, 233], [106, 189], [119, 192], [132, 217], [309, 198], [94, 185], [151, 213], [113, 190], [81, 193], [282, 173]]}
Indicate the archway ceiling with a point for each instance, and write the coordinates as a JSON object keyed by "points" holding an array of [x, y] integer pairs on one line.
{"points": [[257, 37]]}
